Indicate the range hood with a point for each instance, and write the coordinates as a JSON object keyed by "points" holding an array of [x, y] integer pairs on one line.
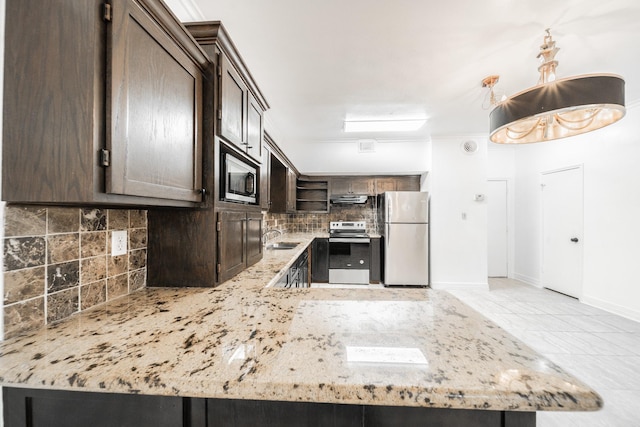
{"points": [[349, 199]]}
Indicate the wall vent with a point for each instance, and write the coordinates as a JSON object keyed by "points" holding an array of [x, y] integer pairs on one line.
{"points": [[366, 146]]}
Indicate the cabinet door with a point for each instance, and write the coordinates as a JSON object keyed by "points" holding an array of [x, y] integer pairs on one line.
{"points": [[408, 183], [231, 244], [340, 186], [233, 104], [154, 110], [291, 190], [375, 263], [320, 261], [254, 238], [385, 184], [254, 129], [53, 408], [265, 179], [362, 186]]}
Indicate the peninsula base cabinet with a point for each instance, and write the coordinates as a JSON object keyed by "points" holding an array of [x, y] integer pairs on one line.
{"points": [[50, 408]]}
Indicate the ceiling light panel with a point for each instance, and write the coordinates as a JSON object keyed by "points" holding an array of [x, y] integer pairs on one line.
{"points": [[383, 125]]}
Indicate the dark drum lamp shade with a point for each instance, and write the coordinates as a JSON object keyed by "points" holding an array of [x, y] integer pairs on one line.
{"points": [[558, 109], [555, 108]]}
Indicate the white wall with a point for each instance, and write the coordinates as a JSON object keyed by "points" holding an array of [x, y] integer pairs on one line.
{"points": [[611, 159], [458, 245]]}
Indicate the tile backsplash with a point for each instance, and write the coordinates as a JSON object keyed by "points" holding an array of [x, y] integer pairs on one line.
{"points": [[314, 222], [57, 262]]}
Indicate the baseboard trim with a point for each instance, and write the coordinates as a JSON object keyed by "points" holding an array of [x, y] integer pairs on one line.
{"points": [[612, 308], [528, 280], [449, 286]]}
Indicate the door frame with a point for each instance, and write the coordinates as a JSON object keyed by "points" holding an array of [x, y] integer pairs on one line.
{"points": [[508, 216], [580, 167], [511, 226]]}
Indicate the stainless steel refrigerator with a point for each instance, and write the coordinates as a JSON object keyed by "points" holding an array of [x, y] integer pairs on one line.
{"points": [[403, 217]]}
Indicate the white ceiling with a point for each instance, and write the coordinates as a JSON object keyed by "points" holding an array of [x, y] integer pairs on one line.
{"points": [[319, 62]]}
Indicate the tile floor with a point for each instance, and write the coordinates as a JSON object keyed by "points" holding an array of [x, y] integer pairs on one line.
{"points": [[599, 348]]}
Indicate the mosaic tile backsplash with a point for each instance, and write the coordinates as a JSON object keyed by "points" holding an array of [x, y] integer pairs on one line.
{"points": [[57, 262]]}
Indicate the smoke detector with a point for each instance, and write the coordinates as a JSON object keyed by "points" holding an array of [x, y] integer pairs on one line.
{"points": [[469, 147]]}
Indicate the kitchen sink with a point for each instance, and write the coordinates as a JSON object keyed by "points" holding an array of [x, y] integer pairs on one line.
{"points": [[282, 245]]}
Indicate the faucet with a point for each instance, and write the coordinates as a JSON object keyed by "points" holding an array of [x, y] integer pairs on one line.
{"points": [[266, 233]]}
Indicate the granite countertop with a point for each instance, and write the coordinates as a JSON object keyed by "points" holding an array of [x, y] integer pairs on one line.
{"points": [[400, 347]]}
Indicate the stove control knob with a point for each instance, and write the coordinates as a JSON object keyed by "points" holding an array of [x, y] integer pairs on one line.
{"points": [[361, 261]]}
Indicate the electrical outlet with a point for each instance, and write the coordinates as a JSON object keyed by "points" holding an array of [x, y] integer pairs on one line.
{"points": [[118, 242]]}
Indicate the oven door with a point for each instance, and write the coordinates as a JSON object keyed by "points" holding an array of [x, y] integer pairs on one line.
{"points": [[349, 261]]}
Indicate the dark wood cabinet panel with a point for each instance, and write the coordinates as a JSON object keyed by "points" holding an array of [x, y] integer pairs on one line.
{"points": [[181, 248], [52, 408], [408, 183], [292, 179], [282, 187], [265, 179], [320, 260], [231, 244], [372, 185], [239, 242], [233, 104], [385, 184], [249, 413], [362, 186], [352, 185], [56, 117], [48, 408], [254, 238], [155, 117], [241, 105], [375, 263], [254, 129], [340, 185]]}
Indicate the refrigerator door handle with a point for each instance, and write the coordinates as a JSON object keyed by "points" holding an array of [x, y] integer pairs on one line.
{"points": [[387, 235]]}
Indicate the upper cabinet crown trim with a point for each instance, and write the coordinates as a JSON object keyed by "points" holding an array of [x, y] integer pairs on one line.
{"points": [[213, 32], [171, 24]]}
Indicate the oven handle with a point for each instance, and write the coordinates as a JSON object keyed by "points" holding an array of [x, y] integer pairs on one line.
{"points": [[349, 240]]}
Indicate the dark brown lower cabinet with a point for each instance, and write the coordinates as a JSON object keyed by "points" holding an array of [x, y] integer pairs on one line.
{"points": [[239, 242], [375, 263], [36, 408], [49, 408], [320, 260]]}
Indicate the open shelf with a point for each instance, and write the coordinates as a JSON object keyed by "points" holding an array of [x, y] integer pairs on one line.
{"points": [[312, 196]]}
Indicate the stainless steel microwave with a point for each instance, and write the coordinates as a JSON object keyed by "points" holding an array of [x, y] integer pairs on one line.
{"points": [[239, 180]]}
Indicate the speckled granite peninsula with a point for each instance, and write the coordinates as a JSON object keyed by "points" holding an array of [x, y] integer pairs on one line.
{"points": [[392, 347]]}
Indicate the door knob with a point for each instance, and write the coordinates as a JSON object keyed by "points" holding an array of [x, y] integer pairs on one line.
{"points": [[574, 239]]}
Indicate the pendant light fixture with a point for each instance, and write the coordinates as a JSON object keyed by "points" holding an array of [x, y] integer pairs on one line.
{"points": [[554, 108]]}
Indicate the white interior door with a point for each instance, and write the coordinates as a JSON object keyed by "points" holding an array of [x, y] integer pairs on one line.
{"points": [[562, 228], [497, 240]]}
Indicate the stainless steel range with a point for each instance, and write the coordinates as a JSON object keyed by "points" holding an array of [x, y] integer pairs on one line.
{"points": [[349, 252]]}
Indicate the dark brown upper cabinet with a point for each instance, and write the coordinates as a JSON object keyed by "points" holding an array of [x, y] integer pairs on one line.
{"points": [[103, 104], [352, 185], [154, 101], [233, 104], [397, 183], [241, 105], [265, 178]]}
